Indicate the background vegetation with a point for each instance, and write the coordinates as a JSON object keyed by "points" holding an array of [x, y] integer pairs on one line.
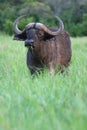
{"points": [[44, 102], [72, 12]]}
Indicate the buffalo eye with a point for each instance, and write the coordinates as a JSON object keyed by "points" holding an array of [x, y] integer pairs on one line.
{"points": [[40, 34]]}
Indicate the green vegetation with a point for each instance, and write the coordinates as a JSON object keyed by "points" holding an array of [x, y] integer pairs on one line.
{"points": [[72, 12], [44, 102]]}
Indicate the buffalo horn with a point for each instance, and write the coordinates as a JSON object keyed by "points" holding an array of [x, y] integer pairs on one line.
{"points": [[16, 29], [39, 26], [43, 27]]}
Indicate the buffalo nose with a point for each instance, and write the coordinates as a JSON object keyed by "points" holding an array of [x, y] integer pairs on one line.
{"points": [[29, 42]]}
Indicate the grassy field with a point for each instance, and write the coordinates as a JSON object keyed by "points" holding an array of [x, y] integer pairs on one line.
{"points": [[44, 102]]}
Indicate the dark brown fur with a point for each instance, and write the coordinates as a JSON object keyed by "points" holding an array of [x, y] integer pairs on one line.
{"points": [[54, 52]]}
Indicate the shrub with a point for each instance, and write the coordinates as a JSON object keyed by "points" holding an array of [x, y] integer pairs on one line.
{"points": [[81, 28], [84, 25], [8, 27]]}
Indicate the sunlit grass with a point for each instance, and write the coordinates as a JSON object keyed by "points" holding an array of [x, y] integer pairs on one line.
{"points": [[44, 102]]}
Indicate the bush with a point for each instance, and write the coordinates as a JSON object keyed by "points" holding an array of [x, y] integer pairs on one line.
{"points": [[81, 28], [8, 27], [84, 25], [73, 16]]}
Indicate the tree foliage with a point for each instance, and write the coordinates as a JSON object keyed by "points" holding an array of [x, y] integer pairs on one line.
{"points": [[73, 13]]}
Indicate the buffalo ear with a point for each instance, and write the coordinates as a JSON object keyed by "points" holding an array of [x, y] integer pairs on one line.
{"points": [[20, 37], [47, 36]]}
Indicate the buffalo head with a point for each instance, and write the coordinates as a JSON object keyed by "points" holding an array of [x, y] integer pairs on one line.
{"points": [[34, 33]]}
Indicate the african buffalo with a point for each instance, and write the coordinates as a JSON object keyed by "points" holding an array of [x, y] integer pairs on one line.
{"points": [[46, 46]]}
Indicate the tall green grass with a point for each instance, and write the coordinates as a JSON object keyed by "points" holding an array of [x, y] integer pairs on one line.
{"points": [[44, 102]]}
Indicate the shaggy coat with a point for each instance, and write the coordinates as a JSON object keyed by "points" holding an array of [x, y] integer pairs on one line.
{"points": [[54, 53], [45, 49]]}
